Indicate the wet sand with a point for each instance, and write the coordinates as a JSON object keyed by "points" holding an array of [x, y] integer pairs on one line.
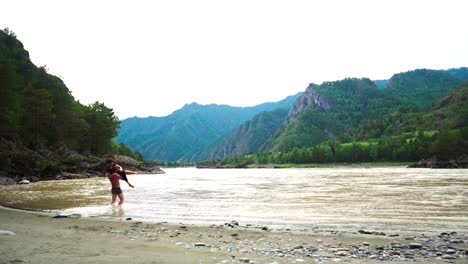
{"points": [[40, 238]]}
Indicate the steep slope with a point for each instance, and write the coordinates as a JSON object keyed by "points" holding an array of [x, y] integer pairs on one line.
{"points": [[450, 112], [44, 131], [188, 132], [329, 109], [251, 135], [421, 87]]}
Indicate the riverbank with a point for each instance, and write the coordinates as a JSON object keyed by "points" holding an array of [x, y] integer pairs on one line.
{"points": [[78, 167], [41, 238], [305, 165]]}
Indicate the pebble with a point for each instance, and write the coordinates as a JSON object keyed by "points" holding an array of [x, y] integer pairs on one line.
{"points": [[24, 182], [298, 247], [365, 232], [341, 253], [366, 244], [199, 244], [63, 215], [312, 249], [6, 233], [244, 260], [415, 245], [449, 257], [450, 251]]}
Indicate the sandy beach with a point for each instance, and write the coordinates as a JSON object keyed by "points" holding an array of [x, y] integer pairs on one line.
{"points": [[41, 238]]}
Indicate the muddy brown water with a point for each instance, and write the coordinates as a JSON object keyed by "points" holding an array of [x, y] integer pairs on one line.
{"points": [[390, 199]]}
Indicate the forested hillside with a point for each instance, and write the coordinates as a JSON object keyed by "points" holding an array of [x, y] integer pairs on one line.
{"points": [[43, 129], [421, 87], [450, 112], [336, 107], [188, 133], [440, 133]]}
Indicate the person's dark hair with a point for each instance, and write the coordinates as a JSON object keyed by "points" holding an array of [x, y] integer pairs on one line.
{"points": [[113, 169], [109, 161]]}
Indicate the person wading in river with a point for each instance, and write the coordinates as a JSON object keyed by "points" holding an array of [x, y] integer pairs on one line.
{"points": [[115, 178]]}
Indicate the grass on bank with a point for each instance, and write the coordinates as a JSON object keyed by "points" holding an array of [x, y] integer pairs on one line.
{"points": [[332, 165]]}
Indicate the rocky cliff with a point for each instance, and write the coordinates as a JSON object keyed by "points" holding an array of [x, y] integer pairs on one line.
{"points": [[310, 97]]}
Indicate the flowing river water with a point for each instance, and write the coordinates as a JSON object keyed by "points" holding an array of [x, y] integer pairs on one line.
{"points": [[390, 199]]}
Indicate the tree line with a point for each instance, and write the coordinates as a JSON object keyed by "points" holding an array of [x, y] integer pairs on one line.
{"points": [[39, 113], [411, 147], [38, 109]]}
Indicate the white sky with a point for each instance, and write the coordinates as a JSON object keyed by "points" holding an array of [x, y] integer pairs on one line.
{"points": [[145, 58]]}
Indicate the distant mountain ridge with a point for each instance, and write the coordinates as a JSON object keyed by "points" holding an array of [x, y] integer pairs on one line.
{"points": [[251, 135], [198, 132], [331, 108], [189, 131]]}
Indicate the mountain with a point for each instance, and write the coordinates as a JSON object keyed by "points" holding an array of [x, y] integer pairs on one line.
{"points": [[438, 137], [449, 112], [197, 132], [334, 107], [187, 133], [329, 109], [251, 135], [421, 87]]}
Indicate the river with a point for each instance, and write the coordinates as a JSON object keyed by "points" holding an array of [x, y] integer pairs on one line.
{"points": [[390, 199]]}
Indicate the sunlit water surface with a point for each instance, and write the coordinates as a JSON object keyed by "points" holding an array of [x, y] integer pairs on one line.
{"points": [[348, 198]]}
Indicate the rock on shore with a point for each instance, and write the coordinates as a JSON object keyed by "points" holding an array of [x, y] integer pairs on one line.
{"points": [[436, 163]]}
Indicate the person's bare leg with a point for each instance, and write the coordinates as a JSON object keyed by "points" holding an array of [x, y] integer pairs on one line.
{"points": [[114, 197], [121, 199]]}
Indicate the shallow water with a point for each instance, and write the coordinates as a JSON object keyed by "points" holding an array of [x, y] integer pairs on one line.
{"points": [[385, 199]]}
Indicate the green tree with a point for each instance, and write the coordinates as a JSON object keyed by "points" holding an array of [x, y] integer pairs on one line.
{"points": [[8, 100], [449, 145], [103, 126]]}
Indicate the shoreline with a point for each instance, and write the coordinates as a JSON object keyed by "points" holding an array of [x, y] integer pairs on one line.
{"points": [[41, 238], [308, 165]]}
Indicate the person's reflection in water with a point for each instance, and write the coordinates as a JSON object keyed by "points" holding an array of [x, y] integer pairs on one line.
{"points": [[118, 211]]}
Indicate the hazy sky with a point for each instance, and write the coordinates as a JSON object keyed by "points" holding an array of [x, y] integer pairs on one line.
{"points": [[147, 58]]}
